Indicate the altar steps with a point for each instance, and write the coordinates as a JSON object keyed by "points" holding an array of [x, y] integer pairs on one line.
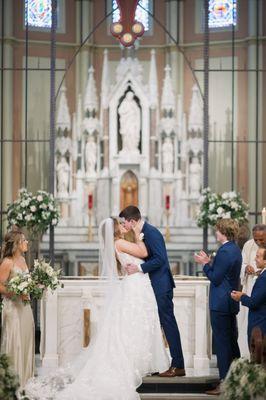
{"points": [[176, 396], [187, 388]]}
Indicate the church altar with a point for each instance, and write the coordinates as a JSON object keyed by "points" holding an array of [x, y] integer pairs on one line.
{"points": [[70, 316]]}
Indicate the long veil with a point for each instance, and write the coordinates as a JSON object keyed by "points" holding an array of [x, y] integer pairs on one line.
{"points": [[107, 259]]}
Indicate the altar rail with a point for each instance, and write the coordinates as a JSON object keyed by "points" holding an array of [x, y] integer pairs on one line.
{"points": [[64, 327]]}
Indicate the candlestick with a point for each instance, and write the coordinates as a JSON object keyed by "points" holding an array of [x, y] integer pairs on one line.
{"points": [[90, 201], [167, 202], [263, 215]]}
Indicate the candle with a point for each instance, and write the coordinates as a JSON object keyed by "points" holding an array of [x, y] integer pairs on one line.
{"points": [[167, 202], [263, 215], [90, 201]]}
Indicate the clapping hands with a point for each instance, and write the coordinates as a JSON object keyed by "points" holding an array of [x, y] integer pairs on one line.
{"points": [[202, 258]]}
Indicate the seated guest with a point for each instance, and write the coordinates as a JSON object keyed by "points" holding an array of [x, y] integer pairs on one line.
{"points": [[256, 302], [224, 276], [248, 272]]}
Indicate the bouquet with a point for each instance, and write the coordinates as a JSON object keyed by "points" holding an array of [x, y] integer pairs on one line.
{"points": [[43, 277], [9, 382], [19, 285]]}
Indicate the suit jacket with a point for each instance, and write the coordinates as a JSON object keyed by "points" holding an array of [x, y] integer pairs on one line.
{"points": [[157, 264], [257, 304], [224, 275]]}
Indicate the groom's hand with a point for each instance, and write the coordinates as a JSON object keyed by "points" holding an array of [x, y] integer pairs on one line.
{"points": [[131, 269]]}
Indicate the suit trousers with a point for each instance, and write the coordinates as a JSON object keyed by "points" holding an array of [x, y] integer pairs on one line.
{"points": [[225, 333], [170, 328]]}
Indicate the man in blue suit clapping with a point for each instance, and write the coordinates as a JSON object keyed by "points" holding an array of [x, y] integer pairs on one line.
{"points": [[157, 266], [224, 276]]}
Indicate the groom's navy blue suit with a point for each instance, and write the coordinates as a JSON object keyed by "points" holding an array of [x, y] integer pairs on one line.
{"points": [[157, 266]]}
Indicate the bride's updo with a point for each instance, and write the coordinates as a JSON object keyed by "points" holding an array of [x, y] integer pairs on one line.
{"points": [[11, 242]]}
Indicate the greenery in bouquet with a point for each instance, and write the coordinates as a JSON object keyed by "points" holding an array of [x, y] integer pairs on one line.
{"points": [[21, 285], [44, 277], [214, 206], [8, 380], [244, 381], [35, 212]]}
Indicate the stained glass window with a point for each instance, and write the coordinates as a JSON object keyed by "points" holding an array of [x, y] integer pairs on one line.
{"points": [[38, 13], [222, 13], [141, 15]]}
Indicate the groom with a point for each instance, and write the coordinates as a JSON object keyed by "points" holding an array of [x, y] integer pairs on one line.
{"points": [[157, 266]]}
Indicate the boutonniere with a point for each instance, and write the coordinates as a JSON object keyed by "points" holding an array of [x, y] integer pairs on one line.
{"points": [[141, 236]]}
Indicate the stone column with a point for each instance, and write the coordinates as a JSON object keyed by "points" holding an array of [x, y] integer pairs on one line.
{"points": [[50, 359], [201, 359], [106, 138], [152, 138]]}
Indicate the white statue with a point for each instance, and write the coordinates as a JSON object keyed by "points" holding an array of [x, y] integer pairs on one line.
{"points": [[195, 173], [63, 175], [129, 114], [90, 156], [168, 155]]}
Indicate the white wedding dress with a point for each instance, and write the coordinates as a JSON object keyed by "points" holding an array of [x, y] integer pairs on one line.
{"points": [[128, 346]]}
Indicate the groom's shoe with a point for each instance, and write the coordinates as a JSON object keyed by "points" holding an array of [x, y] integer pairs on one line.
{"points": [[172, 372]]}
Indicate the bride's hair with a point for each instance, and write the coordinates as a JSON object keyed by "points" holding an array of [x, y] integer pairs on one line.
{"points": [[117, 233], [11, 242]]}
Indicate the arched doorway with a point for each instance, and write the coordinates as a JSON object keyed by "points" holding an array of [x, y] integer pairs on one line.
{"points": [[128, 190]]}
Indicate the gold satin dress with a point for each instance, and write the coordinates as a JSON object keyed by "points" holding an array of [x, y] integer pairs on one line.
{"points": [[18, 335]]}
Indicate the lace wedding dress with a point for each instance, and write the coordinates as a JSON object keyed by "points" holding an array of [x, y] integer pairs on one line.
{"points": [[128, 346]]}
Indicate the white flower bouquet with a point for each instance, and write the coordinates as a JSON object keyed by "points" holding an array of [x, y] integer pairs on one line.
{"points": [[214, 206], [35, 212], [19, 285], [244, 381], [44, 277]]}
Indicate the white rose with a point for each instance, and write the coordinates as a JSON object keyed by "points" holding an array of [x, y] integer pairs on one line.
{"points": [[227, 215], [20, 217], [39, 198], [23, 285], [51, 207], [225, 195], [43, 206], [220, 210], [28, 217], [54, 221], [33, 208]]}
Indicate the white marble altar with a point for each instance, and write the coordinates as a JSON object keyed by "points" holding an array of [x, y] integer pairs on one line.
{"points": [[63, 328]]}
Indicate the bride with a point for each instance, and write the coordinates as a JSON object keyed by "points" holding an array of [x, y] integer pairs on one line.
{"points": [[129, 342]]}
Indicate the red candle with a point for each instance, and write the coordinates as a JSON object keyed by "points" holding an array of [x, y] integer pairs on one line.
{"points": [[167, 202], [90, 201]]}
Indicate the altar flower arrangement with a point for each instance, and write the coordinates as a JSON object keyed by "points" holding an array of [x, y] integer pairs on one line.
{"points": [[245, 381], [214, 206], [44, 277], [35, 212]]}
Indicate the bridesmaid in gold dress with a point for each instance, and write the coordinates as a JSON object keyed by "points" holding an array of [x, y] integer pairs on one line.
{"points": [[17, 339]]}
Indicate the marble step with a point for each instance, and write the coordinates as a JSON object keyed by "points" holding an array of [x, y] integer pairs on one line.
{"points": [[176, 396]]}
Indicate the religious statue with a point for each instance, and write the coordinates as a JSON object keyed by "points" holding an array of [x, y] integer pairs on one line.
{"points": [[129, 114], [195, 173], [63, 176], [168, 156], [90, 156]]}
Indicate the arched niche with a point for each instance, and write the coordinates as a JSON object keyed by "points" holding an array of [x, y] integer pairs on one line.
{"points": [[129, 188]]}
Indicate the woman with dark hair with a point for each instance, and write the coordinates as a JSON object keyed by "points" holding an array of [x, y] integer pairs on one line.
{"points": [[17, 339]]}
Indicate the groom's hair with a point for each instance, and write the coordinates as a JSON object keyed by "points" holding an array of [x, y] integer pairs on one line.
{"points": [[130, 212]]}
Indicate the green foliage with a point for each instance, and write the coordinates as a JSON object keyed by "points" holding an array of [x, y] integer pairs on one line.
{"points": [[214, 206], [244, 381], [8, 380]]}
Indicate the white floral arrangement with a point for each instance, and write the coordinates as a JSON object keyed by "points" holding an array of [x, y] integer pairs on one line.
{"points": [[20, 285], [244, 381], [44, 277], [35, 212], [214, 206]]}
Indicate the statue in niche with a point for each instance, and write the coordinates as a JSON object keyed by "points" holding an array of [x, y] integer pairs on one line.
{"points": [[168, 156], [195, 173], [63, 176], [90, 156], [129, 114]]}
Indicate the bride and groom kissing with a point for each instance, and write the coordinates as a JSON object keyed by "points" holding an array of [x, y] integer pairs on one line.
{"points": [[129, 343]]}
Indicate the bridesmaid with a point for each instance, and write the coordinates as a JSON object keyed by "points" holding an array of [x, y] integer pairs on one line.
{"points": [[18, 331]]}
